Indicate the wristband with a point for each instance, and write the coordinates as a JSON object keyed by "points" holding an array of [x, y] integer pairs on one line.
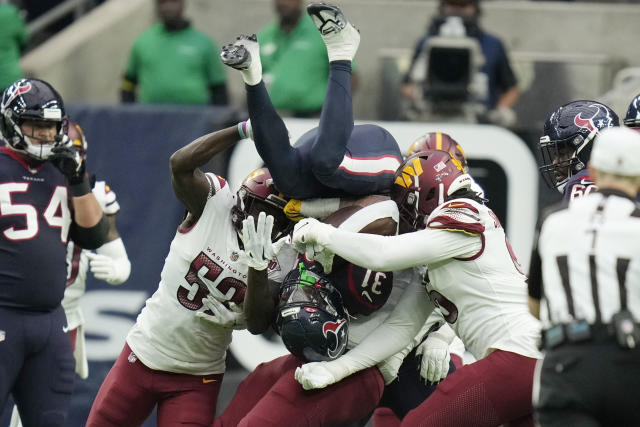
{"points": [[80, 188], [242, 128]]}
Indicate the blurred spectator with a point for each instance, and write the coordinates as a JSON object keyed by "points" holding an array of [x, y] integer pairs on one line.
{"points": [[173, 63], [294, 61], [500, 85], [13, 38]]}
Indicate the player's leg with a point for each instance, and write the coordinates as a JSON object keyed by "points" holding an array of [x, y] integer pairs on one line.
{"points": [[126, 396], [269, 131], [491, 391], [254, 387], [345, 402], [11, 351], [187, 399], [43, 388]]}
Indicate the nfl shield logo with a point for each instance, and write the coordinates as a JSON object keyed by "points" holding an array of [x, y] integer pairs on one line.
{"points": [[132, 358], [2, 336]]}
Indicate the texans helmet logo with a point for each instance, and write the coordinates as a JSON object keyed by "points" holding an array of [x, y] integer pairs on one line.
{"points": [[335, 328], [589, 124], [16, 90]]}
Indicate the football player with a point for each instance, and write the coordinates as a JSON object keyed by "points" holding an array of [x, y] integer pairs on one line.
{"points": [[566, 143], [336, 158], [632, 118], [109, 263], [472, 275], [174, 356], [45, 199]]}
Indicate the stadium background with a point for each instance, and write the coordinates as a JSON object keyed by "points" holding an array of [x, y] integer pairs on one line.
{"points": [[560, 51]]}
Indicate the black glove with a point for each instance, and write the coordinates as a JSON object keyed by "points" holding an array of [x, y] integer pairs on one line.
{"points": [[69, 161]]}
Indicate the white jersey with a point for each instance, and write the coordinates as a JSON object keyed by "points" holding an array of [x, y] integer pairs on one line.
{"points": [[168, 336], [482, 296], [590, 259], [78, 263]]}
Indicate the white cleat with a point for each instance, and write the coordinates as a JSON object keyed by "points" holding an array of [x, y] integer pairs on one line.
{"points": [[340, 37]]}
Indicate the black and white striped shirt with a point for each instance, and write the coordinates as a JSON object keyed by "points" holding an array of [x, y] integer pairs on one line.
{"points": [[586, 262]]}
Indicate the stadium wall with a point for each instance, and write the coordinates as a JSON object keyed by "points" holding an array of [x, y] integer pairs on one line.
{"points": [[85, 61]]}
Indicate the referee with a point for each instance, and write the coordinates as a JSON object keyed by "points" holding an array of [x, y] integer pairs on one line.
{"points": [[585, 280]]}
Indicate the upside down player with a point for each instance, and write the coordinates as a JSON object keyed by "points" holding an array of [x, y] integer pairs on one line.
{"points": [[472, 273], [174, 356], [45, 198], [566, 144], [109, 263], [336, 158]]}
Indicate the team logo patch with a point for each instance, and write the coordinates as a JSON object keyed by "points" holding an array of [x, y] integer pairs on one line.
{"points": [[132, 357], [3, 335], [589, 124], [16, 90]]}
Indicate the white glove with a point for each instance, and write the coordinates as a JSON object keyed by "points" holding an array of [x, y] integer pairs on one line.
{"points": [[314, 375], [110, 263], [435, 356], [310, 237], [222, 316], [256, 239]]}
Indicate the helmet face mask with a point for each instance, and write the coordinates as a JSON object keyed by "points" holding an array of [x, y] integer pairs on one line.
{"points": [[34, 102], [568, 137], [259, 194], [312, 320]]}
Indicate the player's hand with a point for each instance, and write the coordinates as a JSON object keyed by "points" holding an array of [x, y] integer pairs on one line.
{"points": [[69, 161], [112, 271], [292, 210], [435, 357], [314, 375], [232, 317], [256, 239]]}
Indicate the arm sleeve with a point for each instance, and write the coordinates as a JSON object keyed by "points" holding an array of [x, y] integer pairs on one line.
{"points": [[388, 253], [394, 334], [92, 237]]}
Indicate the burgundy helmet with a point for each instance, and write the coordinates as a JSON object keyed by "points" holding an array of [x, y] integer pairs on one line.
{"points": [[76, 135], [439, 141], [423, 182], [258, 193]]}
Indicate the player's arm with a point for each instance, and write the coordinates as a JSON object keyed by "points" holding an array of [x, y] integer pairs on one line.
{"points": [[190, 184], [534, 281], [260, 301]]}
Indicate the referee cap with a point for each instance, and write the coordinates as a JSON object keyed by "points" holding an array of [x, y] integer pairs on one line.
{"points": [[616, 150]]}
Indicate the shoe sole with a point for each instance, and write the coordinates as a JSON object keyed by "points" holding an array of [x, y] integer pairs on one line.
{"points": [[235, 56], [327, 18]]}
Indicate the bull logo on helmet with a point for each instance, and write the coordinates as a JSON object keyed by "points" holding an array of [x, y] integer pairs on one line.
{"points": [[336, 345], [589, 124], [19, 88]]}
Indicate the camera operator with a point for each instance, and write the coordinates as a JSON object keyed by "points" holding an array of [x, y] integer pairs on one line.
{"points": [[495, 86]]}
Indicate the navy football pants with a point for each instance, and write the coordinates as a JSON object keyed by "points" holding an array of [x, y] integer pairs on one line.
{"points": [[331, 160], [36, 365]]}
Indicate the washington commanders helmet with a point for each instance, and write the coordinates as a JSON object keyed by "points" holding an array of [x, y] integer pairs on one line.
{"points": [[632, 119], [311, 319], [568, 137], [439, 141], [424, 181], [258, 193], [78, 140], [31, 99]]}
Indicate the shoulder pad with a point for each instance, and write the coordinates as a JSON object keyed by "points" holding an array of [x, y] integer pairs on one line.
{"points": [[457, 215]]}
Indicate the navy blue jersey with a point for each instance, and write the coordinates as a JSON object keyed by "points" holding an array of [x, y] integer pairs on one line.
{"points": [[34, 224], [578, 185], [363, 291]]}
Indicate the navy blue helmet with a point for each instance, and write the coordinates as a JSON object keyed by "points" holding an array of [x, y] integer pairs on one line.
{"points": [[311, 317], [568, 137], [632, 119], [31, 99]]}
